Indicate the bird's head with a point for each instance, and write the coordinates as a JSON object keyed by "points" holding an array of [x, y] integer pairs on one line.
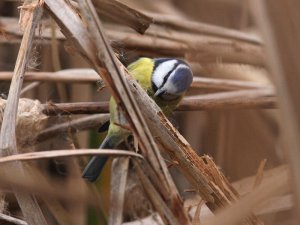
{"points": [[171, 78]]}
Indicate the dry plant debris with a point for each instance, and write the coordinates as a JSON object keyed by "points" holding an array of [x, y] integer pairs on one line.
{"points": [[212, 50]]}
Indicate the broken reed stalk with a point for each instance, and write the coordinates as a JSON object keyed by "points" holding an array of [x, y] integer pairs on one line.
{"points": [[245, 185], [282, 38], [27, 202], [105, 63], [205, 176], [156, 199], [235, 213]]}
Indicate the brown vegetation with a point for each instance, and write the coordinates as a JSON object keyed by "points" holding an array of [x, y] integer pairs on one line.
{"points": [[236, 158]]}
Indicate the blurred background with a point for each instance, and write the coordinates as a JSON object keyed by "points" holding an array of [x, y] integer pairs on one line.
{"points": [[237, 139]]}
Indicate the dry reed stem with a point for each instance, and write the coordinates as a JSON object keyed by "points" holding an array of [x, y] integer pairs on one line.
{"points": [[118, 182], [283, 49], [156, 199], [223, 84], [124, 14], [73, 126], [30, 19], [40, 188], [256, 98], [90, 76], [245, 185], [144, 19], [244, 99], [201, 48], [136, 20], [243, 207], [113, 73], [75, 108], [160, 41], [232, 71], [29, 87], [260, 173], [182, 45], [66, 76], [66, 153], [202, 172], [12, 220], [204, 28], [106, 64]]}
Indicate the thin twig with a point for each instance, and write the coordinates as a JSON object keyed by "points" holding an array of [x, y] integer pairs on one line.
{"points": [[66, 153], [260, 173], [11, 219], [67, 76], [73, 126], [29, 87], [75, 108]]}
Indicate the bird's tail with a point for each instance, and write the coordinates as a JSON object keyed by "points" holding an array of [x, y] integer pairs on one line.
{"points": [[97, 163]]}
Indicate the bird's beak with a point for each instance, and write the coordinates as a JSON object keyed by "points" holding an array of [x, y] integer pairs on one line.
{"points": [[158, 92]]}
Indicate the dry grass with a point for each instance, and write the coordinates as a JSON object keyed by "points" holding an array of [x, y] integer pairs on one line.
{"points": [[242, 110]]}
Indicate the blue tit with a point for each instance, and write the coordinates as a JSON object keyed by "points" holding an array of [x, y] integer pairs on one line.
{"points": [[165, 80]]}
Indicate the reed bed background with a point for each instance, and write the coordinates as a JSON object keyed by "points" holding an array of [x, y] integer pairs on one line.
{"points": [[230, 154]]}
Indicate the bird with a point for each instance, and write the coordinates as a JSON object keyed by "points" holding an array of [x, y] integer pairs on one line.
{"points": [[166, 80]]}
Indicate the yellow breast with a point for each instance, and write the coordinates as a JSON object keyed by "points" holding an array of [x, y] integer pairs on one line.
{"points": [[141, 70]]}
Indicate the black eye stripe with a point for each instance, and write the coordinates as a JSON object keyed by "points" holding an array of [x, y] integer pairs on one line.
{"points": [[169, 73], [159, 61]]}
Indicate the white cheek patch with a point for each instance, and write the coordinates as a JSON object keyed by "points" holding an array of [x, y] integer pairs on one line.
{"points": [[161, 71]]}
